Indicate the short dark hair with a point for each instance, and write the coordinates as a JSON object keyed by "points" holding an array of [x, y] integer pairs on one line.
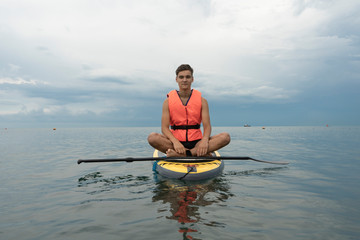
{"points": [[184, 67]]}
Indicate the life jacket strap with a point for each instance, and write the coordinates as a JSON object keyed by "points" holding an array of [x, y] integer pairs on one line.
{"points": [[185, 127]]}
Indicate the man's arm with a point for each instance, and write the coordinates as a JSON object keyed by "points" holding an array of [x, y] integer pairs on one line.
{"points": [[165, 124], [203, 145]]}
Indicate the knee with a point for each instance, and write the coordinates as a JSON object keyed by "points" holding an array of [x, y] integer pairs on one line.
{"points": [[152, 137], [226, 138]]}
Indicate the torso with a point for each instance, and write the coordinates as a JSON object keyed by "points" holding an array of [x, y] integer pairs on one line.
{"points": [[184, 99], [185, 110]]}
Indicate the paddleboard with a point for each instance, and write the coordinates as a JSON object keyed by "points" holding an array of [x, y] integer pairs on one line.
{"points": [[188, 171]]}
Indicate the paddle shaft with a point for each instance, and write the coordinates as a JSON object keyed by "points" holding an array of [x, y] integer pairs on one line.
{"points": [[176, 159]]}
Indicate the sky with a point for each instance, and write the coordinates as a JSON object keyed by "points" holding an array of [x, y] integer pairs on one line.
{"points": [[110, 63]]}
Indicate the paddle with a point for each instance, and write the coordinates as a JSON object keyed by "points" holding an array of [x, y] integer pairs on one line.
{"points": [[175, 159]]}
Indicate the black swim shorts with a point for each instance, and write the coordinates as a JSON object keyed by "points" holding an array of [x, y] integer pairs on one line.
{"points": [[190, 144]]}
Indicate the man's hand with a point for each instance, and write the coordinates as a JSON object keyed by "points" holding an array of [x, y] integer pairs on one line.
{"points": [[202, 147], [179, 148]]}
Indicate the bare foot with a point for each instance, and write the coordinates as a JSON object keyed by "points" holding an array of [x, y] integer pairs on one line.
{"points": [[210, 154], [206, 155], [172, 153], [194, 153]]}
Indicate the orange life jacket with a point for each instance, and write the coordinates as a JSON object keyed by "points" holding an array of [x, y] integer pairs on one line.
{"points": [[185, 119]]}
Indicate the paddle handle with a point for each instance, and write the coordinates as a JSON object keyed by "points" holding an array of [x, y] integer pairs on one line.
{"points": [[176, 159]]}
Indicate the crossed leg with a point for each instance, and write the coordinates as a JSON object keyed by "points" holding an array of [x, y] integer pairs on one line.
{"points": [[163, 144]]}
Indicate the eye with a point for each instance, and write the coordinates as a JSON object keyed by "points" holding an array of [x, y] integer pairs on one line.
{"points": [[188, 76], [181, 77]]}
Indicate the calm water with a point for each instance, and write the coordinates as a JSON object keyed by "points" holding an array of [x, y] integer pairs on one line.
{"points": [[44, 194]]}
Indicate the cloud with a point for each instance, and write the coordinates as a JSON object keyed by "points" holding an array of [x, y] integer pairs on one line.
{"points": [[17, 81], [108, 57]]}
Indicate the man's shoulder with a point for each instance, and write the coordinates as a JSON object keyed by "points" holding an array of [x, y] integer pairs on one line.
{"points": [[203, 99], [172, 92]]}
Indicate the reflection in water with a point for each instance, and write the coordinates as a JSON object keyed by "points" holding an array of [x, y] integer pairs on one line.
{"points": [[257, 172], [182, 202], [185, 199], [96, 183], [97, 177]]}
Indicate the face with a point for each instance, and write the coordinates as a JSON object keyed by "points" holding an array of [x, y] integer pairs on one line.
{"points": [[184, 79]]}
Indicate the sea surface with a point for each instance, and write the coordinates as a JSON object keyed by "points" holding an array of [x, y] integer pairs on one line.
{"points": [[45, 194]]}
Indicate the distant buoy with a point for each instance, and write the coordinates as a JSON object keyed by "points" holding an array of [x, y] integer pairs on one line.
{"points": [[327, 125]]}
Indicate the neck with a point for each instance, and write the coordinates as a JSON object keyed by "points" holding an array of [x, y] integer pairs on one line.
{"points": [[185, 92]]}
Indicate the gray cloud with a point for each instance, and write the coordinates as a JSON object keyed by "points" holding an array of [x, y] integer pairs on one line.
{"points": [[105, 59], [105, 79]]}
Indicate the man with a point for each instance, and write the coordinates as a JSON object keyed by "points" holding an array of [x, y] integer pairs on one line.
{"points": [[184, 110]]}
